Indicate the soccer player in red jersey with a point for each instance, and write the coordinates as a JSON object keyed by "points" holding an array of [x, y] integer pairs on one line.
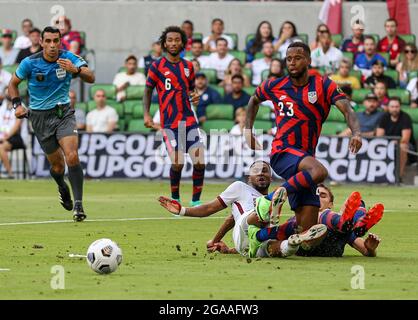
{"points": [[174, 79], [302, 103]]}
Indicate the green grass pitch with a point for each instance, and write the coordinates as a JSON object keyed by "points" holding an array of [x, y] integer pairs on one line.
{"points": [[166, 258]]}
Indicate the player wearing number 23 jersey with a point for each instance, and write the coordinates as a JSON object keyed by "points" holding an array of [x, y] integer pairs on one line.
{"points": [[300, 111]]}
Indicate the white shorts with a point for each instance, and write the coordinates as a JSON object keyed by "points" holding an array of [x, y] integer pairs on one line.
{"points": [[240, 234]]}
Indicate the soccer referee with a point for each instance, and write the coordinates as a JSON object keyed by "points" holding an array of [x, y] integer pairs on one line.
{"points": [[49, 75]]}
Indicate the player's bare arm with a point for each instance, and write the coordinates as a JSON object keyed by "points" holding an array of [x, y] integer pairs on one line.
{"points": [[201, 211], [195, 97], [20, 110], [352, 121], [252, 110], [147, 104], [83, 72]]}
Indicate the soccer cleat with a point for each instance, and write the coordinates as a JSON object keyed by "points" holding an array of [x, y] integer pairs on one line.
{"points": [[64, 196], [78, 213], [277, 201], [307, 237], [195, 203], [350, 207], [371, 218], [253, 243]]}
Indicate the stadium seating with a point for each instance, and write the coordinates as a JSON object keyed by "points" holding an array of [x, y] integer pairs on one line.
{"points": [[264, 125], [135, 92], [131, 105], [248, 38], [264, 75], [217, 125], [403, 94], [249, 90], [359, 94], [121, 125], [304, 37], [413, 113], [91, 105], [335, 115], [349, 56], [337, 39], [109, 89], [219, 89], [220, 112], [330, 128], [408, 38], [264, 114], [393, 74], [137, 126], [356, 73], [386, 56], [81, 106], [197, 35], [234, 37], [240, 55], [415, 129], [210, 75], [11, 68], [412, 74], [248, 72]]}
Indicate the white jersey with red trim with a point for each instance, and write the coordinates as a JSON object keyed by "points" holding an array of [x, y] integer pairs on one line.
{"points": [[241, 197]]}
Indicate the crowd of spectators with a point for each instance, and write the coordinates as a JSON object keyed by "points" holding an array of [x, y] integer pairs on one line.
{"points": [[225, 75]]}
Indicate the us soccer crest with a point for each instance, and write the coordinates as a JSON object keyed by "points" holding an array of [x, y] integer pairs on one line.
{"points": [[61, 73], [312, 97], [187, 72]]}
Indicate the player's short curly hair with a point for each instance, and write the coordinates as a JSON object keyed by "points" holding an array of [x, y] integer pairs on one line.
{"points": [[169, 29]]}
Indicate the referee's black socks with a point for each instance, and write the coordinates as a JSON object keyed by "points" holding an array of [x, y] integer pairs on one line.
{"points": [[58, 177], [75, 175]]}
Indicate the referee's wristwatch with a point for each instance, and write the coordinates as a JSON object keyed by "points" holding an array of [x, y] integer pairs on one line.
{"points": [[78, 71], [16, 102]]}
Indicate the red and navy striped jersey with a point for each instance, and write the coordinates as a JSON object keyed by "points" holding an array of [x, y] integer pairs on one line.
{"points": [[174, 82], [300, 111]]}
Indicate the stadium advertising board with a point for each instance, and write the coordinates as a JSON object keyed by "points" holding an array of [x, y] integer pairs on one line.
{"points": [[134, 155]]}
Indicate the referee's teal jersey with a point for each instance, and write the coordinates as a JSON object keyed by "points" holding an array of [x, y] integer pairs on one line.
{"points": [[48, 83]]}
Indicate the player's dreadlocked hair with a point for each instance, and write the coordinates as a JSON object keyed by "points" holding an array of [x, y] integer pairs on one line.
{"points": [[302, 45], [172, 29]]}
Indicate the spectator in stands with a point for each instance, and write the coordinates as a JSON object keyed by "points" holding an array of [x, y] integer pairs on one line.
{"points": [[381, 91], [129, 77], [156, 53], [409, 62], [234, 67], [287, 35], [80, 115], [396, 123], [259, 65], [413, 90], [238, 98], [5, 78], [196, 65], [71, 40], [188, 28], [10, 137], [220, 59], [23, 41], [210, 42], [365, 60], [369, 119], [207, 95], [325, 55], [276, 69], [104, 118], [264, 34], [35, 47], [238, 128], [343, 77], [377, 76], [355, 43], [8, 54], [392, 43], [320, 29], [197, 52]]}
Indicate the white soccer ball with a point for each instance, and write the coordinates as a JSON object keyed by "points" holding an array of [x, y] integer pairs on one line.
{"points": [[104, 256]]}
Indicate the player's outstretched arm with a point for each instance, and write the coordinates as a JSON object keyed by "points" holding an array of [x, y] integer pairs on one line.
{"points": [[201, 211], [252, 110], [350, 117], [20, 110], [367, 247]]}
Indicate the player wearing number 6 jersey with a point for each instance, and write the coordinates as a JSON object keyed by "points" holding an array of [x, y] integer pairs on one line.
{"points": [[174, 79], [302, 103]]}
